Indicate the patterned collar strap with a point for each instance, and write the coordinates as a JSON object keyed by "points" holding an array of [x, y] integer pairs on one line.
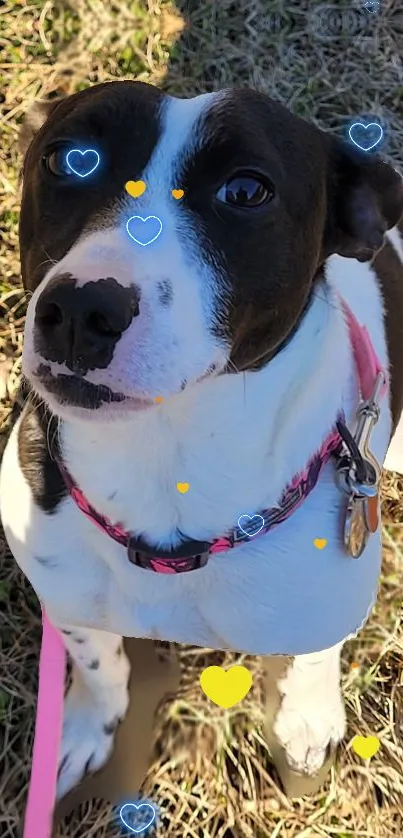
{"points": [[192, 555]]}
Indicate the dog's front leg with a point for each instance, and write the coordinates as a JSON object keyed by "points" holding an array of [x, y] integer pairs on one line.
{"points": [[95, 703], [305, 717]]}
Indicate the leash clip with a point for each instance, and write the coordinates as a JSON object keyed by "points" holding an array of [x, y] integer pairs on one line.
{"points": [[359, 477], [360, 473]]}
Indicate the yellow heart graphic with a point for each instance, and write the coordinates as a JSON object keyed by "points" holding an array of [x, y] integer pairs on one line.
{"points": [[320, 543], [226, 687], [135, 188], [182, 487], [366, 746], [177, 193]]}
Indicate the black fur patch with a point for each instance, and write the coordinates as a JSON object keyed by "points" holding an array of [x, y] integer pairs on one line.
{"points": [[69, 389], [46, 561], [109, 729], [37, 439], [390, 278], [165, 292]]}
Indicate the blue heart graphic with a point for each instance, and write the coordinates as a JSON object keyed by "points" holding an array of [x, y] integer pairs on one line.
{"points": [[147, 810], [365, 141], [251, 518], [372, 6], [144, 230], [77, 164]]}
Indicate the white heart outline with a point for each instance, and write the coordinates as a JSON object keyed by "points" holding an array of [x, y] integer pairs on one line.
{"points": [[83, 153], [137, 807], [251, 517], [372, 3], [144, 244], [361, 124]]}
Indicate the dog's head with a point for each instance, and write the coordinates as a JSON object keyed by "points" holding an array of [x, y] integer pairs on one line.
{"points": [[142, 289]]}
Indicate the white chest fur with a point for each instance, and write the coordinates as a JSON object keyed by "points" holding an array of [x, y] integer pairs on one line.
{"points": [[237, 441]]}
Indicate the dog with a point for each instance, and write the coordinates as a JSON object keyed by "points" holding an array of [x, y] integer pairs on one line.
{"points": [[200, 274]]}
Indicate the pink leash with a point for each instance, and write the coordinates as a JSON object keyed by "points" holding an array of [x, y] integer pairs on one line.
{"points": [[48, 729]]}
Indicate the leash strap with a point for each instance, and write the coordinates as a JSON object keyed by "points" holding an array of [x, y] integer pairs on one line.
{"points": [[48, 728], [366, 360]]}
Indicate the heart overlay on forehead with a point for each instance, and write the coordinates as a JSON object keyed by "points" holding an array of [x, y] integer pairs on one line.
{"points": [[82, 163], [144, 231], [137, 816]]}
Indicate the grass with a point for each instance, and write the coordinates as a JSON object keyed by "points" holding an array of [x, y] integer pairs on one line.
{"points": [[211, 773]]}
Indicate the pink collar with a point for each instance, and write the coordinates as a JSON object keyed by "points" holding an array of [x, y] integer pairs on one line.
{"points": [[192, 555], [39, 812]]}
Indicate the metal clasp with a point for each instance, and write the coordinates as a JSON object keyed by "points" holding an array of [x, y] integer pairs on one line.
{"points": [[367, 416], [363, 502]]}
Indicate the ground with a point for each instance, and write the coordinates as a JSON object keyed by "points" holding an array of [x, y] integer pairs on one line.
{"points": [[330, 68]]}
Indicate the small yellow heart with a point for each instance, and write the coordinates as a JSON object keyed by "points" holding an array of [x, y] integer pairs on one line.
{"points": [[135, 188], [177, 193], [320, 543], [182, 487], [366, 746], [226, 687]]}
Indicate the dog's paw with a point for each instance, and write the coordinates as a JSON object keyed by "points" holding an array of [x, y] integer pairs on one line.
{"points": [[308, 730], [88, 731]]}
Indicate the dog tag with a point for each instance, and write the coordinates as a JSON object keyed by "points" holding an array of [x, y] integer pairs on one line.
{"points": [[371, 511], [362, 519]]}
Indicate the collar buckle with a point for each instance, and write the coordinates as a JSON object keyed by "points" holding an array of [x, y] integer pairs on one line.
{"points": [[190, 555]]}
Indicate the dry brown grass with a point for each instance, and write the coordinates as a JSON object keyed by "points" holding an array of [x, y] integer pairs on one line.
{"points": [[211, 775]]}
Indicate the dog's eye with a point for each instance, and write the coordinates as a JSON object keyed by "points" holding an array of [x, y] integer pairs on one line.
{"points": [[245, 191], [55, 162]]}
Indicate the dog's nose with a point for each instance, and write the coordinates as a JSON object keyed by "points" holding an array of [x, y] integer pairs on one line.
{"points": [[81, 326]]}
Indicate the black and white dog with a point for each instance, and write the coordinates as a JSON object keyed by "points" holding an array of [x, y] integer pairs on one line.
{"points": [[195, 269]]}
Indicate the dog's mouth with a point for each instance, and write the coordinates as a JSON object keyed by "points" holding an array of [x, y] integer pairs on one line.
{"points": [[73, 391]]}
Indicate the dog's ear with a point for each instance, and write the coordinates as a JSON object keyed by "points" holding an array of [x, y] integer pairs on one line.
{"points": [[35, 117], [365, 198]]}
